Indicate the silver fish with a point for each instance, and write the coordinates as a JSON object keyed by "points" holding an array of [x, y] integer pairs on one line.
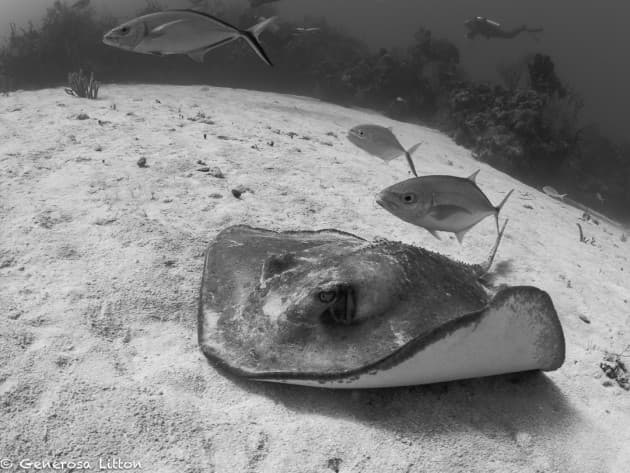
{"points": [[380, 141], [189, 32], [551, 192], [257, 3], [440, 203]]}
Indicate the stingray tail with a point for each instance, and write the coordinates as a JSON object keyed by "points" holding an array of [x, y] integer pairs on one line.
{"points": [[251, 36], [485, 268], [499, 207], [408, 154]]}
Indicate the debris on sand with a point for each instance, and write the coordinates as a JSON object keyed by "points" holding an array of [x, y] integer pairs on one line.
{"points": [[82, 116], [238, 191], [201, 118], [615, 369], [216, 172], [142, 162]]}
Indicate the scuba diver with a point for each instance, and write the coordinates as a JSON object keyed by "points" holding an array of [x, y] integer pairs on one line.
{"points": [[491, 29]]}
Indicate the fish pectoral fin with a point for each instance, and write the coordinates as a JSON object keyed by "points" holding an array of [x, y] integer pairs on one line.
{"points": [[442, 212], [160, 30]]}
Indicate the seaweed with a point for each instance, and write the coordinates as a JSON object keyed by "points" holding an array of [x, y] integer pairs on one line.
{"points": [[81, 85]]}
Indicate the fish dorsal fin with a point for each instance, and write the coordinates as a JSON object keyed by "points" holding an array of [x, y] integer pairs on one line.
{"points": [[161, 29], [473, 176]]}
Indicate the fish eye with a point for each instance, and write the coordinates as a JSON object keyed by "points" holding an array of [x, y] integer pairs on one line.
{"points": [[327, 296], [409, 198], [361, 133], [124, 30]]}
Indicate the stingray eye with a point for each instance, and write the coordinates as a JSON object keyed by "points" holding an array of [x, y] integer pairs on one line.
{"points": [[409, 198], [327, 296]]}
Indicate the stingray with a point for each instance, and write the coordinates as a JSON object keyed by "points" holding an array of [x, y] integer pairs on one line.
{"points": [[330, 309]]}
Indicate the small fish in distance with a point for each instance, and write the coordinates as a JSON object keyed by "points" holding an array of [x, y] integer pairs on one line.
{"points": [[381, 142], [257, 3], [189, 32], [551, 192], [440, 203]]}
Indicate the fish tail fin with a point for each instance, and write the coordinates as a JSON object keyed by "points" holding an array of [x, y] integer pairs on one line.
{"points": [[410, 162], [413, 149], [256, 46], [258, 28], [500, 206], [485, 267], [251, 36], [408, 154]]}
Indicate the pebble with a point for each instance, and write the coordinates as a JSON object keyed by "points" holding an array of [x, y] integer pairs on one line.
{"points": [[142, 163], [216, 172], [240, 190]]}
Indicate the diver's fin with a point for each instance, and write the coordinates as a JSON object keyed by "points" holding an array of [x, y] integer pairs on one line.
{"points": [[160, 30], [498, 207], [473, 176]]}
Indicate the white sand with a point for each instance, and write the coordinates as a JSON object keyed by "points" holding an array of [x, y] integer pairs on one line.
{"points": [[100, 268]]}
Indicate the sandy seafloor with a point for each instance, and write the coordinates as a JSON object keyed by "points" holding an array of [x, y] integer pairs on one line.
{"points": [[101, 260]]}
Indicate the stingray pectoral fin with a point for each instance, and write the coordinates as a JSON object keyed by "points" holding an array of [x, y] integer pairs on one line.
{"points": [[518, 331]]}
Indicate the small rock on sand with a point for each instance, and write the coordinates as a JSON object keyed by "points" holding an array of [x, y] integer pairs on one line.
{"points": [[216, 172], [240, 190]]}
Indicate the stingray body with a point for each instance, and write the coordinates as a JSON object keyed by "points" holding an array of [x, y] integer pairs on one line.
{"points": [[330, 309]]}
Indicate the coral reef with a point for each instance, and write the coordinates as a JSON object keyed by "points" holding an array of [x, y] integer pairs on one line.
{"points": [[81, 85], [529, 126]]}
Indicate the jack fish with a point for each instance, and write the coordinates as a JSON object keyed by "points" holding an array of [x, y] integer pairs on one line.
{"points": [[440, 203], [381, 142], [189, 32]]}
